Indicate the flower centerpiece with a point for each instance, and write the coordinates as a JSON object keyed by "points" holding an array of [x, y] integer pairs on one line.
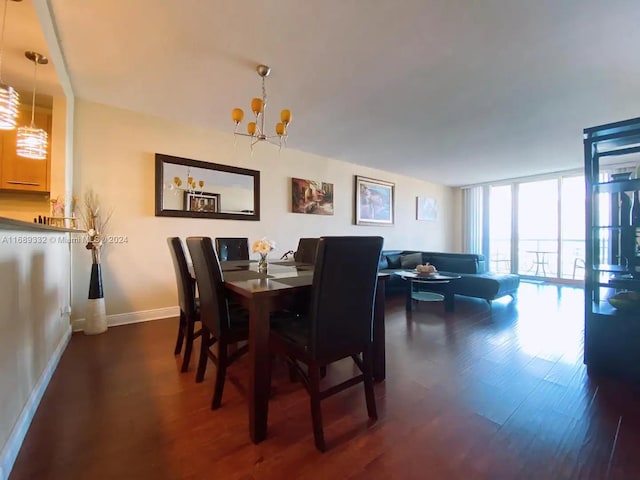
{"points": [[263, 247], [59, 212]]}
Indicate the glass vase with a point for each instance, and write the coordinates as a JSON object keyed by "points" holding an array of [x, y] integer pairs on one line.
{"points": [[262, 263]]}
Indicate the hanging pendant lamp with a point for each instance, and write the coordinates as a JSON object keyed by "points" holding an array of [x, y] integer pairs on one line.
{"points": [[32, 141], [8, 96], [256, 129]]}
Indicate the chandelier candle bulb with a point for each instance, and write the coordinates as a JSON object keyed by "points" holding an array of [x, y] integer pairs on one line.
{"points": [[257, 106], [285, 117], [237, 115]]}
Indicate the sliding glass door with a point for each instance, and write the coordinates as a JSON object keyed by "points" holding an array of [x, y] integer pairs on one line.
{"points": [[536, 228]]}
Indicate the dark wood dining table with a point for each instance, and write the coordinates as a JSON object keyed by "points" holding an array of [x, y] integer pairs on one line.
{"points": [[261, 294]]}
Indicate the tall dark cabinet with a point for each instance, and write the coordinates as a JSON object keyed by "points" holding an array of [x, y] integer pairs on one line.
{"points": [[612, 335]]}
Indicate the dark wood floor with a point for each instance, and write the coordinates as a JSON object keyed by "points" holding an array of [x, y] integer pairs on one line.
{"points": [[475, 394]]}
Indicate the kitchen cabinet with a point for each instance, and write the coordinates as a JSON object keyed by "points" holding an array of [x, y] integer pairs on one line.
{"points": [[25, 174]]}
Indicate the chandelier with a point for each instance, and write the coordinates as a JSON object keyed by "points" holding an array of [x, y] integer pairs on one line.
{"points": [[256, 129], [189, 184], [8, 96], [32, 141]]}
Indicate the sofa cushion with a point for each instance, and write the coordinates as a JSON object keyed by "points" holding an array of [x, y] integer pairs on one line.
{"points": [[393, 261], [457, 265], [411, 260], [382, 263]]}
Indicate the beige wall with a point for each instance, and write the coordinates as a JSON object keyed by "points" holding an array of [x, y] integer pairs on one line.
{"points": [[33, 290], [114, 155]]}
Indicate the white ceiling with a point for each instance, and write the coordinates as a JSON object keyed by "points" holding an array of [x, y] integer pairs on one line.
{"points": [[453, 91]]}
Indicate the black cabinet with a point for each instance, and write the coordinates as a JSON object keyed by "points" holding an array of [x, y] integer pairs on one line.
{"points": [[612, 335]]}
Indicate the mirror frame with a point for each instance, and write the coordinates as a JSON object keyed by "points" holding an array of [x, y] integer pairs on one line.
{"points": [[161, 159]]}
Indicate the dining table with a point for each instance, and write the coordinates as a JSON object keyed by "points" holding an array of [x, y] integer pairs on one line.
{"points": [[263, 293]]}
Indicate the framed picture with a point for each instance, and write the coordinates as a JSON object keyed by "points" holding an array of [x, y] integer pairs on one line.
{"points": [[426, 209], [374, 202], [310, 196], [201, 202]]}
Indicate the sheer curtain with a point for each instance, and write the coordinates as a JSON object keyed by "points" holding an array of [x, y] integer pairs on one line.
{"points": [[472, 219]]}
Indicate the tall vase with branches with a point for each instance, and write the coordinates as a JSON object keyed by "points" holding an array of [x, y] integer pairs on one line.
{"points": [[95, 222]]}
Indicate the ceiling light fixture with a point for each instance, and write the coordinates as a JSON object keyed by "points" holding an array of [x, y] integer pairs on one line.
{"points": [[32, 141], [255, 129], [8, 96], [190, 184]]}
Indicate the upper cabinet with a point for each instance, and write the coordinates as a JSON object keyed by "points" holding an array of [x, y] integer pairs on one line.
{"points": [[25, 174]]}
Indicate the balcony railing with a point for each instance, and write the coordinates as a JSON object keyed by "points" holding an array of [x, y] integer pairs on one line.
{"points": [[538, 258]]}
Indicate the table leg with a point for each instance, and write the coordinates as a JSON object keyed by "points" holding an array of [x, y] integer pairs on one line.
{"points": [[409, 293], [449, 299], [259, 375], [379, 352]]}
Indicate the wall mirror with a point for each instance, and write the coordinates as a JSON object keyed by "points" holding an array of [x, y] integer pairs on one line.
{"points": [[192, 188]]}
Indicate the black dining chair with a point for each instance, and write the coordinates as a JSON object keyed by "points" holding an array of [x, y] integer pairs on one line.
{"points": [[220, 324], [337, 324], [189, 309], [306, 252], [232, 249]]}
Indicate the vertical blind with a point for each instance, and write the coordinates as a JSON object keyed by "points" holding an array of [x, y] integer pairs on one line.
{"points": [[472, 219]]}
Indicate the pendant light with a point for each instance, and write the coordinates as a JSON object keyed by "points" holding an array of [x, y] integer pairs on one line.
{"points": [[256, 129], [8, 96], [32, 141]]}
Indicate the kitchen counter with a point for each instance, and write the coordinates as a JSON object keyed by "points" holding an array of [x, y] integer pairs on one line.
{"points": [[13, 224]]}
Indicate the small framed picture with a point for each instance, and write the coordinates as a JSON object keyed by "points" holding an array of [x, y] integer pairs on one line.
{"points": [[426, 209], [201, 202], [374, 201], [310, 196]]}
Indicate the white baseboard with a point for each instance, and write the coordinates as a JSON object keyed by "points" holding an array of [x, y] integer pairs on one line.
{"points": [[14, 442], [132, 317]]}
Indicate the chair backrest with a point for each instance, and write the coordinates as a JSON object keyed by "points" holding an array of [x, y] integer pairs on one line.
{"points": [[232, 249], [343, 294], [186, 284], [306, 252], [214, 312]]}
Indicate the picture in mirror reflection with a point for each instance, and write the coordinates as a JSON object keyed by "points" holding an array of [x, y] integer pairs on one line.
{"points": [[201, 202]]}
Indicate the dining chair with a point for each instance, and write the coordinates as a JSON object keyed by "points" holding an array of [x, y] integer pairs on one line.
{"points": [[232, 249], [189, 309], [306, 252], [338, 323], [220, 324]]}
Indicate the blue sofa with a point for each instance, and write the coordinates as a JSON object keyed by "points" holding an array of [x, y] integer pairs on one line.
{"points": [[475, 280]]}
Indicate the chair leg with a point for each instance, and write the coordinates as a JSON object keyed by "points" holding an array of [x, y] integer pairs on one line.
{"points": [[188, 347], [367, 363], [293, 374], [180, 339], [203, 358], [221, 373], [316, 412]]}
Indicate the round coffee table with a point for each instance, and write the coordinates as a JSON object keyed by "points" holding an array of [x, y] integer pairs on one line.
{"points": [[414, 279]]}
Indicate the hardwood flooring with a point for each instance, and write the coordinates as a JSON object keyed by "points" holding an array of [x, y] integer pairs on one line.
{"points": [[481, 393]]}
